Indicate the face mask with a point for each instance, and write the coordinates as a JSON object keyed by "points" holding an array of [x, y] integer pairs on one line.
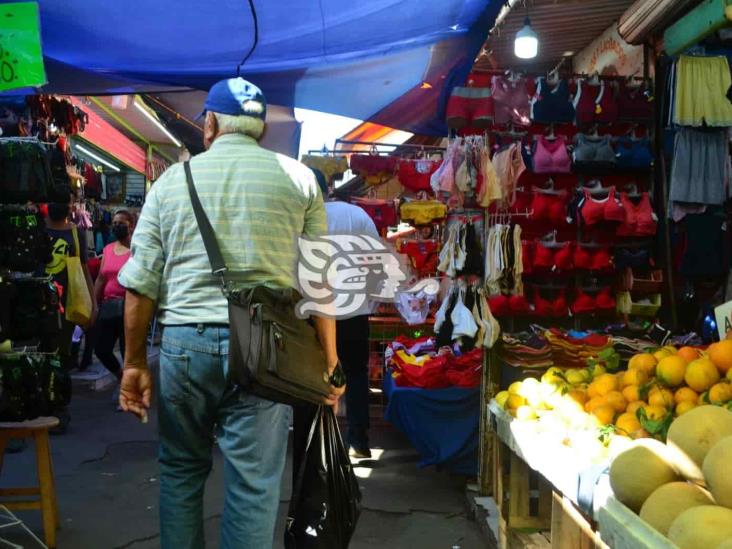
{"points": [[120, 231], [58, 212]]}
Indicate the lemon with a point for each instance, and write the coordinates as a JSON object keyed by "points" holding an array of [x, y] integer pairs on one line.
{"points": [[515, 388], [501, 398]]}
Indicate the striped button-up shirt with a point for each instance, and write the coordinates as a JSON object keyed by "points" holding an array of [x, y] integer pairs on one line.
{"points": [[258, 202]]}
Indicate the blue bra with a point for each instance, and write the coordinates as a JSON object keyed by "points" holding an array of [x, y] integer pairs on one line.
{"points": [[633, 154], [552, 104]]}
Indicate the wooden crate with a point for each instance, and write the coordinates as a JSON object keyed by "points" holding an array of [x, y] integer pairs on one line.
{"points": [[571, 528], [624, 529], [523, 498]]}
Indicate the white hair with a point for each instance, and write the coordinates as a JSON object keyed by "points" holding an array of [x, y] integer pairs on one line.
{"points": [[248, 125]]}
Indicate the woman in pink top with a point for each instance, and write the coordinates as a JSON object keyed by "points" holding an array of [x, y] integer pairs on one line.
{"points": [[110, 295]]}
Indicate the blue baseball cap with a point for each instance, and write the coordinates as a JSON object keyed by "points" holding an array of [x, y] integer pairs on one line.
{"points": [[236, 97]]}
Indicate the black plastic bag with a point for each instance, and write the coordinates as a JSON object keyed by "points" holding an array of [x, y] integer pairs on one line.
{"points": [[326, 500]]}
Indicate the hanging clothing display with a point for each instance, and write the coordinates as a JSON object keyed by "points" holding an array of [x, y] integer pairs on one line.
{"points": [[471, 107], [551, 157], [551, 103], [595, 103], [415, 175], [509, 165], [700, 168], [511, 101], [700, 98], [504, 260], [329, 166]]}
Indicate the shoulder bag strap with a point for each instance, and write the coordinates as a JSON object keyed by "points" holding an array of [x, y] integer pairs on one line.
{"points": [[218, 267]]}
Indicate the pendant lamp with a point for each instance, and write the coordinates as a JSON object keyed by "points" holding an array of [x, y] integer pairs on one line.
{"points": [[526, 44]]}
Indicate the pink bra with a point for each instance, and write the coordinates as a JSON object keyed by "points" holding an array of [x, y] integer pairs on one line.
{"points": [[511, 101], [551, 156]]}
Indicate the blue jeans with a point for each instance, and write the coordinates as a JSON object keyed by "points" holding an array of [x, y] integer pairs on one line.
{"points": [[195, 399]]}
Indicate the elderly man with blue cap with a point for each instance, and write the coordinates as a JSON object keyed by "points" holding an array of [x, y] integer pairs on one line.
{"points": [[259, 203]]}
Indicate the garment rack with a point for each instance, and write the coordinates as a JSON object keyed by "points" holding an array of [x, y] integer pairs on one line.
{"points": [[395, 145]]}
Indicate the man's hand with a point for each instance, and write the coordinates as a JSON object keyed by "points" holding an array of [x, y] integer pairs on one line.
{"points": [[332, 398], [135, 391]]}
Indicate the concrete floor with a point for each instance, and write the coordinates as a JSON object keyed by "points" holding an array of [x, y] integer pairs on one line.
{"points": [[106, 475]]}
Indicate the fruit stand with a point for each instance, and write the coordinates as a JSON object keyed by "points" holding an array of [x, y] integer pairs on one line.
{"points": [[588, 457]]}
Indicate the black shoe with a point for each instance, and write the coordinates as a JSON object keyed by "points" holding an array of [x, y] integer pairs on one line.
{"points": [[360, 453]]}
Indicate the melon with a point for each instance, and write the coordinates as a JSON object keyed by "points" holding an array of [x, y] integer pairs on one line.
{"points": [[639, 470], [693, 434], [669, 501], [716, 471], [726, 544], [701, 527]]}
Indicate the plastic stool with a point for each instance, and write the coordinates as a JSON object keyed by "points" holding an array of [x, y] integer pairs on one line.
{"points": [[37, 429]]}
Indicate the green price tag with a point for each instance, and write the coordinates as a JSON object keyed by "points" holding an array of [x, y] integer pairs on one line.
{"points": [[21, 56]]}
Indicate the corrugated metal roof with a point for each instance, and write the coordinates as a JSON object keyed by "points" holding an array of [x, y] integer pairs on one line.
{"points": [[562, 25]]}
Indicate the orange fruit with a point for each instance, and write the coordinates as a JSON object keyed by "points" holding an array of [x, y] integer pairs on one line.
{"points": [[640, 433], [729, 374], [685, 394], [606, 383], [594, 403], [627, 424], [578, 395], [670, 371], [684, 406], [688, 353], [616, 400], [655, 412], [720, 392], [644, 361], [661, 397], [701, 374], [633, 406], [631, 393], [604, 414], [721, 355], [662, 353], [635, 376]]}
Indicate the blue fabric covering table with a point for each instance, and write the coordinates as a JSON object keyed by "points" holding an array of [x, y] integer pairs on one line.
{"points": [[442, 424]]}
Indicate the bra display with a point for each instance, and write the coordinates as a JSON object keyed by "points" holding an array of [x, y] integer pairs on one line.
{"points": [[604, 300], [551, 156], [423, 255], [556, 257], [551, 104], [556, 307], [608, 209], [634, 103], [595, 103], [503, 305], [593, 259], [510, 101], [633, 154], [593, 152], [381, 212], [639, 218], [549, 209]]}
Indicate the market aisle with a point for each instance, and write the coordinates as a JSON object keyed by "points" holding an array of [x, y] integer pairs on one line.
{"points": [[106, 474]]}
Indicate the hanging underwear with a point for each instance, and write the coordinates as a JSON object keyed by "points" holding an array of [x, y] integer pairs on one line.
{"points": [[639, 218], [415, 174], [375, 169], [423, 255], [633, 154], [551, 104], [556, 307], [329, 166], [601, 302], [595, 104], [381, 212], [592, 153], [511, 101], [635, 103], [422, 212], [471, 107], [559, 258], [593, 259], [549, 209], [414, 307], [551, 156], [608, 209]]}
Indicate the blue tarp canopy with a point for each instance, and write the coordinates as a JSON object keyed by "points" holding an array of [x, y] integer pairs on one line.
{"points": [[349, 58]]}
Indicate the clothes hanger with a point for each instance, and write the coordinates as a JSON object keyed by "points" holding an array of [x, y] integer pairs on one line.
{"points": [[594, 131], [631, 189], [595, 79], [550, 240], [551, 135], [590, 244], [550, 190], [595, 187]]}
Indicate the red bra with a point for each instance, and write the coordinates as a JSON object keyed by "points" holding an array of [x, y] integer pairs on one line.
{"points": [[556, 307], [423, 254], [551, 156], [549, 209], [560, 258], [502, 305], [593, 259], [609, 209], [638, 218], [603, 301], [527, 256]]}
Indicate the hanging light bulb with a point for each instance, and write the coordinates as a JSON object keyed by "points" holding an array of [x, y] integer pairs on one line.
{"points": [[526, 44]]}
